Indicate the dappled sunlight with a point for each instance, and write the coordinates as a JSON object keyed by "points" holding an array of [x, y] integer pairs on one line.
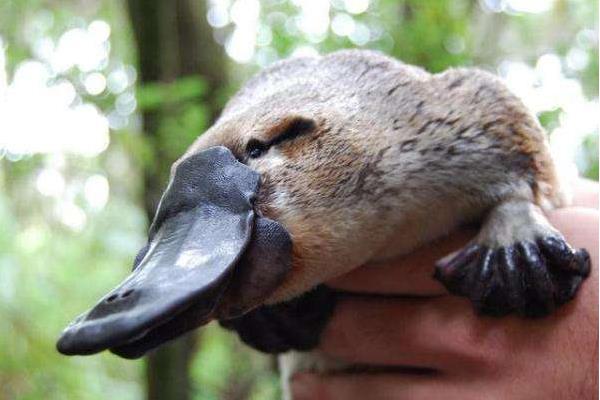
{"points": [[517, 6], [48, 107], [96, 191], [545, 87], [244, 14], [42, 112]]}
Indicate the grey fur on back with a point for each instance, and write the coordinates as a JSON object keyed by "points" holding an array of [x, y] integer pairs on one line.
{"points": [[437, 119]]}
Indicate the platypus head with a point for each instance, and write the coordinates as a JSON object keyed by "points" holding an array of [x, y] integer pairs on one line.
{"points": [[273, 199]]}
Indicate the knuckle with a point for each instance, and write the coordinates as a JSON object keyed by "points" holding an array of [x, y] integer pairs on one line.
{"points": [[482, 346]]}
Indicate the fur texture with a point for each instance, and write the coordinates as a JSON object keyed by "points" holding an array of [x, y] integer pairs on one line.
{"points": [[396, 157]]}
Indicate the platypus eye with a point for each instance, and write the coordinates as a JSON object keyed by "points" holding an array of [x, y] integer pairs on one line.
{"points": [[256, 148], [295, 128]]}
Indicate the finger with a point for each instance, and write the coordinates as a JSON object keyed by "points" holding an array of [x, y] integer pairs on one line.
{"points": [[380, 387], [407, 275], [434, 333]]}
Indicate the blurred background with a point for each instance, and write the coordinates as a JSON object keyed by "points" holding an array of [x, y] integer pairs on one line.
{"points": [[98, 97]]}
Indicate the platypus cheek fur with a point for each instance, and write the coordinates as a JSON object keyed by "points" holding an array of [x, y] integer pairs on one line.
{"points": [[326, 220]]}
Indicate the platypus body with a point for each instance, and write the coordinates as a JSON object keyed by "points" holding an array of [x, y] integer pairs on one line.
{"points": [[320, 165]]}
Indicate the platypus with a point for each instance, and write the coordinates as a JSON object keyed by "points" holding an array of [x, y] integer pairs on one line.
{"points": [[319, 165]]}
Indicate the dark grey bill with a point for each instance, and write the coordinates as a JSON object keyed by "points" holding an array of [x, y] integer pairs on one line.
{"points": [[204, 238]]}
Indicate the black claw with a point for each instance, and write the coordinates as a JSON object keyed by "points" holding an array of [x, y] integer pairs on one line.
{"points": [[567, 280], [531, 279], [456, 273], [557, 251], [539, 289], [293, 325], [509, 261], [493, 298], [583, 262]]}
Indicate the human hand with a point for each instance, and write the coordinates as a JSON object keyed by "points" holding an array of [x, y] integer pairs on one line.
{"points": [[459, 355]]}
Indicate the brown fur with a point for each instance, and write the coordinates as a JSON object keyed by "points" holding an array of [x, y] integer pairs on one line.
{"points": [[398, 156]]}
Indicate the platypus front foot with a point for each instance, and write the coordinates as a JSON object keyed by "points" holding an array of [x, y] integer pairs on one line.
{"points": [[518, 263], [293, 325]]}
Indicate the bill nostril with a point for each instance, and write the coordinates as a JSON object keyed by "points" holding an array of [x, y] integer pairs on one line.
{"points": [[115, 296]]}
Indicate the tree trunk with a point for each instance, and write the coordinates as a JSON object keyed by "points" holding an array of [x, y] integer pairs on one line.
{"points": [[173, 41]]}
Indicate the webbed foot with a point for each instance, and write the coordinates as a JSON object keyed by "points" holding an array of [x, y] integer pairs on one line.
{"points": [[293, 325], [531, 278]]}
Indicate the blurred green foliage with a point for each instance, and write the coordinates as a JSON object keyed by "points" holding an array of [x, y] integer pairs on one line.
{"points": [[155, 95], [51, 269], [590, 155], [182, 109]]}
